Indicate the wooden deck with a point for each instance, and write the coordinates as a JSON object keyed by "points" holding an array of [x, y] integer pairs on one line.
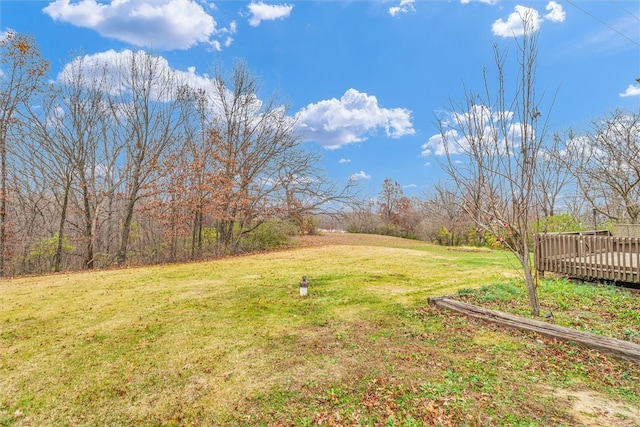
{"points": [[589, 256]]}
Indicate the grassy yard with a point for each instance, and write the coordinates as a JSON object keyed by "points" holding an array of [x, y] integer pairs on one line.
{"points": [[231, 342]]}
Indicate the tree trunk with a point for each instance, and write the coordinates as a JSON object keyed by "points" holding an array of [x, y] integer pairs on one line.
{"points": [[57, 261], [3, 198], [121, 256], [173, 245], [196, 238], [532, 290], [87, 262], [225, 235]]}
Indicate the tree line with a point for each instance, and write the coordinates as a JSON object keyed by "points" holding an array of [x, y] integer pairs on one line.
{"points": [[126, 161]]}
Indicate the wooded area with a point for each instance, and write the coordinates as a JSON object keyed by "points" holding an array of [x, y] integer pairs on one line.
{"points": [[123, 160]]}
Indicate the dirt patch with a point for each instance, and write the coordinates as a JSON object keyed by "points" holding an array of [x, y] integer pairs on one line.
{"points": [[593, 409]]}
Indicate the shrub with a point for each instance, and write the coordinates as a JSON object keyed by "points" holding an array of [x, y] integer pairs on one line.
{"points": [[557, 223], [270, 234], [310, 225], [42, 256]]}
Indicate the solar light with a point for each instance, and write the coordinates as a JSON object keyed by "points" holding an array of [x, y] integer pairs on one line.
{"points": [[304, 286]]}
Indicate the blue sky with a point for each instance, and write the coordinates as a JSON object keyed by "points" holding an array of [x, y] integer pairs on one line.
{"points": [[365, 79]]}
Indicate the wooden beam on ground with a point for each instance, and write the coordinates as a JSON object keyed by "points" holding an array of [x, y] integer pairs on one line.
{"points": [[613, 346]]}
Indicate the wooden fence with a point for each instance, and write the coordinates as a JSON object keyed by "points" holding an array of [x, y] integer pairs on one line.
{"points": [[589, 256]]}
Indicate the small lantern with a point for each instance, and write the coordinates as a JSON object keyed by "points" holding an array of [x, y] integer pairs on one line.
{"points": [[304, 286]]}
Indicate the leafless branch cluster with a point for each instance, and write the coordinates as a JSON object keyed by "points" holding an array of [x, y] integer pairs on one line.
{"points": [[126, 161]]}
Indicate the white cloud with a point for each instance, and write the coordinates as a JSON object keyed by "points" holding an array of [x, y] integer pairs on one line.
{"points": [[345, 161], [632, 90], [117, 68], [112, 62], [267, 12], [359, 176], [556, 13], [435, 144], [159, 24], [515, 23], [86, 13], [479, 124], [352, 118], [404, 7]]}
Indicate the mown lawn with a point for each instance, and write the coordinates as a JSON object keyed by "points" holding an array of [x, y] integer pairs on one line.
{"points": [[231, 342]]}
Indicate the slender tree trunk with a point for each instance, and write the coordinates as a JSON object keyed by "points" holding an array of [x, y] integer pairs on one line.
{"points": [[173, 245], [57, 262], [110, 225], [3, 198], [95, 242], [225, 235], [532, 289], [196, 237], [87, 262], [121, 256]]}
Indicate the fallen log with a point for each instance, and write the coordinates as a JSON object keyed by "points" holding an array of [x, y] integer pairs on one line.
{"points": [[613, 346]]}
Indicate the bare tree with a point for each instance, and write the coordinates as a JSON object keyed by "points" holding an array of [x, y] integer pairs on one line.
{"points": [[605, 164], [53, 155], [493, 144], [552, 180], [23, 70], [389, 200], [74, 128], [200, 149], [253, 135], [447, 219], [303, 190], [361, 216], [261, 168], [33, 208], [148, 108], [237, 161]]}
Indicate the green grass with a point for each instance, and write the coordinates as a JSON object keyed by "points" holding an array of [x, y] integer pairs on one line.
{"points": [[603, 309], [231, 342]]}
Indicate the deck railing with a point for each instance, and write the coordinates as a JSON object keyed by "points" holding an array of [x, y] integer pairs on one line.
{"points": [[589, 255]]}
